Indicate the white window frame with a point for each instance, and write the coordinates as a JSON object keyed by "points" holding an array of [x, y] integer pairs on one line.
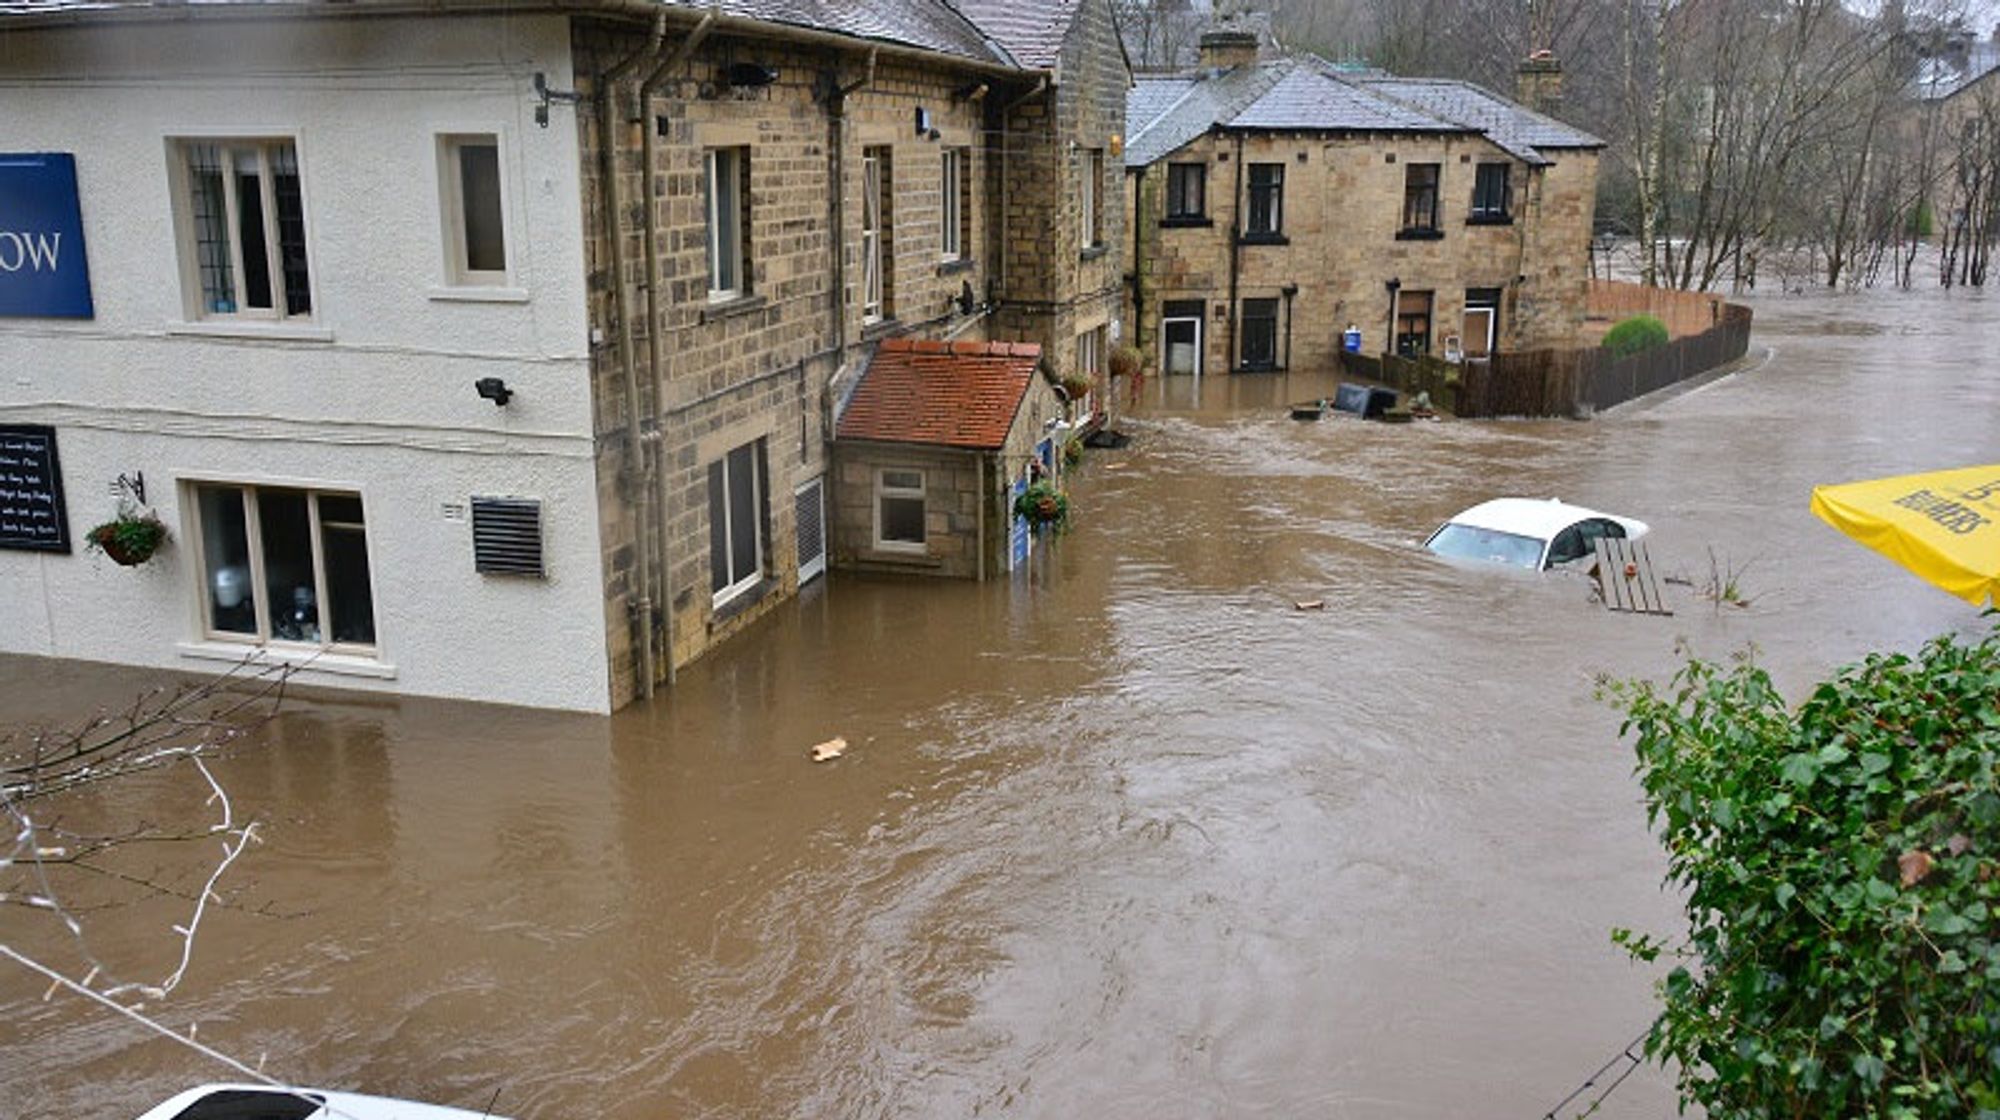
{"points": [[873, 301], [1089, 364], [180, 150], [950, 216], [259, 590], [728, 274], [761, 510], [1090, 187], [919, 493], [458, 272]]}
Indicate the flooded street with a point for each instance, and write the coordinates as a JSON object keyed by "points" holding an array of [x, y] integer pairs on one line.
{"points": [[1131, 838]]}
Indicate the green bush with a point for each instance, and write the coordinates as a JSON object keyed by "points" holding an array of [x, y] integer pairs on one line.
{"points": [[1841, 867], [1639, 333]]}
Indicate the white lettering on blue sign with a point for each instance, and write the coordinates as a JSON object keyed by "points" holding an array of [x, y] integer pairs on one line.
{"points": [[36, 252]]}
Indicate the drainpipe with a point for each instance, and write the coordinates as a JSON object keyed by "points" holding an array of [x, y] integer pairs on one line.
{"points": [[1289, 290], [632, 474], [836, 202], [1139, 318], [1041, 87], [655, 368], [1394, 284], [1235, 258], [985, 497]]}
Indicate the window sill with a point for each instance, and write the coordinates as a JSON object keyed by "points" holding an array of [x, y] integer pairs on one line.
{"points": [[738, 603], [472, 293], [887, 557], [1419, 234], [880, 328], [1092, 252], [956, 265], [730, 308], [1490, 220], [338, 664], [1263, 239], [1188, 221], [233, 328]]}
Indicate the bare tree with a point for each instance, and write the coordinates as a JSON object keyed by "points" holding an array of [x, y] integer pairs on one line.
{"points": [[66, 847]]}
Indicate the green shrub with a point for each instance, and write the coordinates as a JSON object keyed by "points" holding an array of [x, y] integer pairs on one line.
{"points": [[1639, 333], [1841, 868]]}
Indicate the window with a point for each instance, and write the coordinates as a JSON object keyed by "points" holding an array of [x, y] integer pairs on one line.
{"points": [[1489, 193], [877, 257], [899, 510], [475, 219], [1187, 190], [1091, 195], [1090, 367], [1420, 198], [243, 241], [1413, 323], [955, 209], [1267, 200], [285, 565], [726, 181], [1260, 334], [736, 521]]}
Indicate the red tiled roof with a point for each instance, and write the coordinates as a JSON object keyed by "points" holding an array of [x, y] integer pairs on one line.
{"points": [[944, 394]]}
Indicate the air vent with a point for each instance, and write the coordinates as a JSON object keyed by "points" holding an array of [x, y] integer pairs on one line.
{"points": [[811, 530], [507, 536]]}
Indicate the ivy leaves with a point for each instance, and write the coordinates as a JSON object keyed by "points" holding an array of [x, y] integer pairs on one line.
{"points": [[1842, 890]]}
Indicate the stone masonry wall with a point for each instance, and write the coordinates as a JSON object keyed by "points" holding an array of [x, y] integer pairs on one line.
{"points": [[1342, 210], [1054, 287], [767, 366]]}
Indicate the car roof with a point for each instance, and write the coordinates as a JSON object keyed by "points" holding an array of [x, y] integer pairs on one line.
{"points": [[338, 1105], [1541, 518]]}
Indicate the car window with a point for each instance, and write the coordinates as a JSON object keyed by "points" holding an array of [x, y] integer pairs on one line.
{"points": [[1569, 545], [1468, 543]]}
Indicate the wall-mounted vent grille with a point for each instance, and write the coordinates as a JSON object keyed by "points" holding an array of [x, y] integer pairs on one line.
{"points": [[812, 530], [507, 536]]}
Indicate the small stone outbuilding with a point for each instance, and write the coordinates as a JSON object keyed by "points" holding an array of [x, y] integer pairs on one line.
{"points": [[929, 451]]}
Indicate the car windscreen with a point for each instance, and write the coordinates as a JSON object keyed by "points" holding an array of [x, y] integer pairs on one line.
{"points": [[251, 1104], [1468, 543]]}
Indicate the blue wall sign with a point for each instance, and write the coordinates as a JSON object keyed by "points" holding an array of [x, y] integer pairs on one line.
{"points": [[43, 271]]}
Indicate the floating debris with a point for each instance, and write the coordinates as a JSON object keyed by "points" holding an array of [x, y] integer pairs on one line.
{"points": [[831, 749]]}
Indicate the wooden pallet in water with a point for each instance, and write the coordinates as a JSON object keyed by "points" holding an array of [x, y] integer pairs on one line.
{"points": [[1625, 577]]}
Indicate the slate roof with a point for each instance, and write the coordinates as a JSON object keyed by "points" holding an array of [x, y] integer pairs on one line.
{"points": [[1032, 31], [1939, 78], [1520, 130], [940, 394], [1022, 33], [1312, 95]]}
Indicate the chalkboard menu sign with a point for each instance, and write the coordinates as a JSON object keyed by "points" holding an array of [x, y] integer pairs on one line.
{"points": [[31, 493]]}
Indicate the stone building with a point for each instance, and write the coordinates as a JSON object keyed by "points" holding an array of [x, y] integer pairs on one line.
{"points": [[1282, 208], [499, 353]]}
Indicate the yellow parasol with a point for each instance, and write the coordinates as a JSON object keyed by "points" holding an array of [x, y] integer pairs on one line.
{"points": [[1943, 525]]}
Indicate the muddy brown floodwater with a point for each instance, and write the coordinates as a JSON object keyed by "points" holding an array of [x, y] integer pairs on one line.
{"points": [[1128, 838]]}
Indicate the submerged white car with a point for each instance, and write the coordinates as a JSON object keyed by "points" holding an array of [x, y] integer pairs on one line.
{"points": [[1530, 533], [262, 1102]]}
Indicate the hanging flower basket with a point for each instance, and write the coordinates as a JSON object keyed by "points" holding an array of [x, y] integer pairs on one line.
{"points": [[130, 539], [1076, 388], [1043, 506]]}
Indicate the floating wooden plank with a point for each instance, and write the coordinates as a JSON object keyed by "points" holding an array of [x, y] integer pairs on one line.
{"points": [[1625, 577]]}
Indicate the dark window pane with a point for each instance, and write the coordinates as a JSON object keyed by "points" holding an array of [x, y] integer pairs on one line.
{"points": [[351, 604], [209, 204], [225, 548], [291, 594], [1260, 332], [479, 191], [340, 507], [291, 230], [250, 231], [903, 520], [743, 513]]}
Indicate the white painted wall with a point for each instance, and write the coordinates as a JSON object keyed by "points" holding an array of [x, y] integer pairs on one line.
{"points": [[375, 396]]}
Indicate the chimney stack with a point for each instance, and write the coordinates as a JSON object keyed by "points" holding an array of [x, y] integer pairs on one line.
{"points": [[1538, 83], [1224, 47]]}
